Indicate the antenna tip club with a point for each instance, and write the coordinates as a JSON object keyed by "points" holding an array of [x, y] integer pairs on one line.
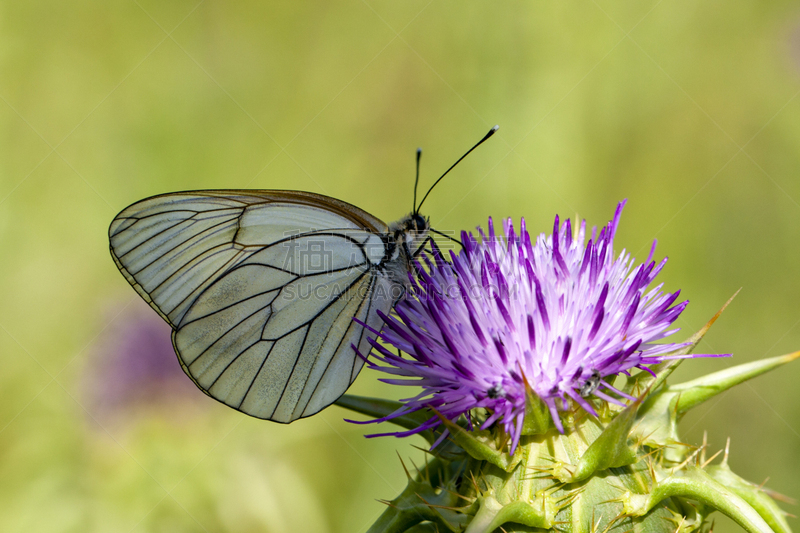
{"points": [[496, 127], [419, 151], [491, 132]]}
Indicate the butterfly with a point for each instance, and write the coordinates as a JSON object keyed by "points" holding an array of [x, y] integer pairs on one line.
{"points": [[268, 292]]}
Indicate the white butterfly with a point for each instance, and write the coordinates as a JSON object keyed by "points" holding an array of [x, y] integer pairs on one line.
{"points": [[261, 288]]}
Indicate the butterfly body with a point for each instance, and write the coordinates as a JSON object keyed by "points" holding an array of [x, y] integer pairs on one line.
{"points": [[262, 288], [406, 237]]}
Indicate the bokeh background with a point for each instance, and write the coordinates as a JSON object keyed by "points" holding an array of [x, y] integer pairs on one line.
{"points": [[688, 109]]}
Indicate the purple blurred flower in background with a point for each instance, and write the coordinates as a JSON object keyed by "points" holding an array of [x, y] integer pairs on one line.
{"points": [[562, 316], [134, 364]]}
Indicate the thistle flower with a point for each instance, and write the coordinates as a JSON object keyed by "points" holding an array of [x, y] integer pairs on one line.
{"points": [[134, 364], [505, 317], [524, 339]]}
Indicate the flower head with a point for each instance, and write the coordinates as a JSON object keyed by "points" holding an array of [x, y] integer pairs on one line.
{"points": [[134, 364], [560, 317]]}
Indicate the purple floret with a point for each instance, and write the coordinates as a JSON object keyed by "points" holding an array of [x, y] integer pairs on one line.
{"points": [[563, 315]]}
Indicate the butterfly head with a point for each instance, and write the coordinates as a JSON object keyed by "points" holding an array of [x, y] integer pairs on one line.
{"points": [[411, 233]]}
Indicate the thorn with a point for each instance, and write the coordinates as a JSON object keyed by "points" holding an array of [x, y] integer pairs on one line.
{"points": [[715, 317], [652, 470], [404, 465], [566, 466], [727, 446], [685, 462], [506, 440], [415, 466], [599, 521], [525, 380], [701, 451], [706, 463], [612, 486], [622, 516], [430, 452], [567, 503], [571, 495], [580, 414], [705, 444], [474, 483], [438, 453], [485, 481], [653, 451], [433, 505], [792, 356], [650, 434], [390, 504], [676, 401], [457, 495], [675, 520], [761, 487], [611, 524], [778, 496], [554, 478]]}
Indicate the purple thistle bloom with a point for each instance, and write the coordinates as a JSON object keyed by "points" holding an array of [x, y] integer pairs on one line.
{"points": [[134, 364], [563, 316]]}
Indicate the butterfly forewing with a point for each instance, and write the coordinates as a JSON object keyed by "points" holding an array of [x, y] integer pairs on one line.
{"points": [[261, 288]]}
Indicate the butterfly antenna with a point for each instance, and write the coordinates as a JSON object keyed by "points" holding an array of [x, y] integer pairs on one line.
{"points": [[491, 132], [446, 236], [416, 181]]}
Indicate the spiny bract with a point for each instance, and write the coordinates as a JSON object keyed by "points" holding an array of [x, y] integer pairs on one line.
{"points": [[625, 470]]}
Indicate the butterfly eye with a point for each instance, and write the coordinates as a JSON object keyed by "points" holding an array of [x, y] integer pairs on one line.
{"points": [[419, 223]]}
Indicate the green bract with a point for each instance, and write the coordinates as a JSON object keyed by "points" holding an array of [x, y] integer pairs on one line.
{"points": [[625, 470]]}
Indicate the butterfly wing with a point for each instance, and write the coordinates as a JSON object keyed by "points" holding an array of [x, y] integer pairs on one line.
{"points": [[261, 288]]}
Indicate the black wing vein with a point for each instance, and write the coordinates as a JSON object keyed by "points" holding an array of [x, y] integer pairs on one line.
{"points": [[338, 345], [255, 376], [206, 233]]}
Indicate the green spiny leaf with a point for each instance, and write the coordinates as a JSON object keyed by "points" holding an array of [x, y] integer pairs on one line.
{"points": [[609, 450], [752, 494], [537, 417], [379, 408], [492, 514], [480, 445], [696, 484], [693, 393]]}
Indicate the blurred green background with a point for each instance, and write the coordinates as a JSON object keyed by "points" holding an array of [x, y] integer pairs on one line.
{"points": [[689, 109]]}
